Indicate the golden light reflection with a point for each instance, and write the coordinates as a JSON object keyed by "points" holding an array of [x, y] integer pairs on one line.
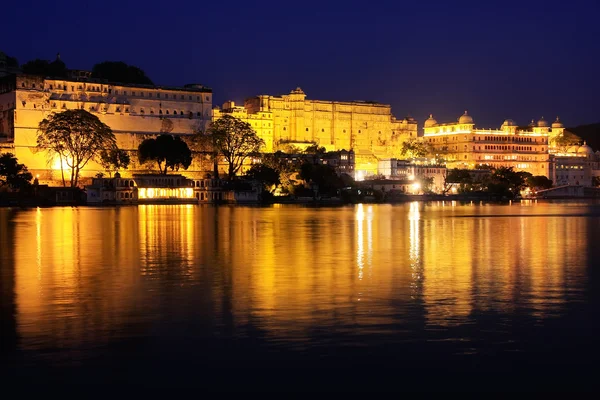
{"points": [[414, 252], [289, 270]]}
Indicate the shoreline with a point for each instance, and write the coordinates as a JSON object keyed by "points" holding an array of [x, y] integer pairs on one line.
{"points": [[334, 201]]}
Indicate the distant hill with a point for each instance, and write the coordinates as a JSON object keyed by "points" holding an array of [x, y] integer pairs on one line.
{"points": [[589, 133]]}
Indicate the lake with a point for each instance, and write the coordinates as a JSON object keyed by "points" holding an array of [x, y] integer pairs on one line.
{"points": [[415, 296]]}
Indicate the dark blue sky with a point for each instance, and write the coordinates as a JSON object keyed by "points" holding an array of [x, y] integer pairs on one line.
{"points": [[510, 59]]}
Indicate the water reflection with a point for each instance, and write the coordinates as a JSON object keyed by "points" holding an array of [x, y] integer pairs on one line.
{"points": [[98, 275]]}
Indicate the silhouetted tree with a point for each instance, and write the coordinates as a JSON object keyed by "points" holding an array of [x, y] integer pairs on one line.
{"points": [[266, 175], [538, 182], [114, 159], [315, 149], [414, 149], [54, 69], [118, 71], [167, 151], [234, 140], [12, 174], [76, 137]]}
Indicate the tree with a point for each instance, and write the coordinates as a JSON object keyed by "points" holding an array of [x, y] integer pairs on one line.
{"points": [[76, 137], [414, 148], [538, 182], [565, 140], [324, 176], [427, 184], [114, 159], [12, 174], [462, 177], [167, 151], [54, 69], [505, 181], [268, 176], [118, 71], [235, 140], [315, 149]]}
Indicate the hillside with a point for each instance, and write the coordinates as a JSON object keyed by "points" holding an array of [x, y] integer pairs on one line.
{"points": [[589, 133]]}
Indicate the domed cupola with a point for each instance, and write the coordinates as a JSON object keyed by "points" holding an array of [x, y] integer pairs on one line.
{"points": [[557, 124], [585, 150], [508, 122], [429, 122], [542, 123], [465, 119]]}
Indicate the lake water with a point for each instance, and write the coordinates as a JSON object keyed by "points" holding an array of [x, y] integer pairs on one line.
{"points": [[365, 297]]}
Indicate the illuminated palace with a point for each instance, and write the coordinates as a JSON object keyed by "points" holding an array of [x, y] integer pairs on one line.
{"points": [[133, 112], [464, 146], [368, 128]]}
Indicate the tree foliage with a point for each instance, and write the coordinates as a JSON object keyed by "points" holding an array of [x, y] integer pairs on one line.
{"points": [[54, 69], [565, 140], [414, 148], [538, 182], [323, 176], [315, 149], [167, 151], [267, 176], [12, 174], [118, 71], [76, 137], [114, 159], [507, 182], [234, 140]]}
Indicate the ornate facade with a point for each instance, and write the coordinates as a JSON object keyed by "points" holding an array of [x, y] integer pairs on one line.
{"points": [[368, 128], [133, 112], [464, 146]]}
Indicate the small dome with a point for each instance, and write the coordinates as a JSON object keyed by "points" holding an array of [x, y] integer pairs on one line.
{"points": [[509, 122], [585, 149], [465, 119], [557, 124], [542, 123], [429, 122]]}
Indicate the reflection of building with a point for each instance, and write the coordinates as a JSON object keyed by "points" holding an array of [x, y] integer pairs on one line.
{"points": [[361, 126], [464, 146], [133, 112], [413, 170]]}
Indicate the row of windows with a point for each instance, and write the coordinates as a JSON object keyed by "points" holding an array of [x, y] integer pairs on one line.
{"points": [[507, 158], [569, 166], [518, 148], [190, 114], [510, 139], [123, 92]]}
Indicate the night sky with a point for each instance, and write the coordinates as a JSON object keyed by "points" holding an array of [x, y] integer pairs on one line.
{"points": [[510, 59]]}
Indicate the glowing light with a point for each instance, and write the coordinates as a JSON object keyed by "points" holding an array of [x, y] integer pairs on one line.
{"points": [[411, 177], [168, 193], [416, 187]]}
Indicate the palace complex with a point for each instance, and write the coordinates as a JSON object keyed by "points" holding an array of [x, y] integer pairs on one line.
{"points": [[133, 112], [368, 128], [463, 145], [365, 132]]}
